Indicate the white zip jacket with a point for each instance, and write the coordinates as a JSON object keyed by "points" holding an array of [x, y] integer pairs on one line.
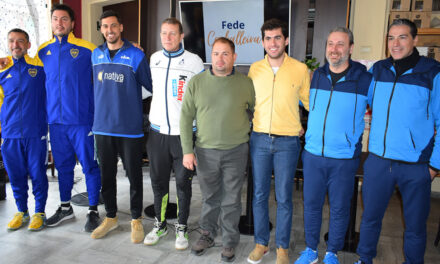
{"points": [[171, 72]]}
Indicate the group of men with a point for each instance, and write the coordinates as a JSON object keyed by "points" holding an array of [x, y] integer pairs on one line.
{"points": [[200, 120]]}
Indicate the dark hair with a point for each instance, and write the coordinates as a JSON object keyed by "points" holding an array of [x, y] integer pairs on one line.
{"points": [[405, 22], [17, 30], [226, 41], [110, 13], [346, 31], [274, 23], [64, 8], [173, 21]]}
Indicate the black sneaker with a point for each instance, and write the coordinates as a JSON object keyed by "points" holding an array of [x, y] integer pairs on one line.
{"points": [[60, 216], [228, 254], [92, 221], [204, 242]]}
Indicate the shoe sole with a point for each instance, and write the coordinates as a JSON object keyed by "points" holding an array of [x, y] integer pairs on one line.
{"points": [[181, 248], [36, 229], [257, 261], [157, 241], [225, 259], [199, 253], [62, 220]]}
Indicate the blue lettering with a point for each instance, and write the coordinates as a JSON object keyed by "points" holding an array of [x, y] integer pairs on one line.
{"points": [[174, 87], [234, 25]]}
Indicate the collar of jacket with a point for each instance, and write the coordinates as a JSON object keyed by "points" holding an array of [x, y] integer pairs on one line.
{"points": [[127, 44], [353, 73], [266, 58], [65, 38], [21, 60], [174, 54]]}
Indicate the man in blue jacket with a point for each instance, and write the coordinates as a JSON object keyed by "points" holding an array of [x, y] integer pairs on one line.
{"points": [[69, 87], [404, 149], [119, 72], [338, 99], [24, 129]]}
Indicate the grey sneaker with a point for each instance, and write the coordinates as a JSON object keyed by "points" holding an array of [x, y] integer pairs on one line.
{"points": [[228, 254], [204, 242]]}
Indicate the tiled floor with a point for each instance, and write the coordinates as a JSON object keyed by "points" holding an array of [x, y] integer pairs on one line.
{"points": [[68, 243]]}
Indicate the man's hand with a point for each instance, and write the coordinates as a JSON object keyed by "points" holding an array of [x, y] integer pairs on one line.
{"points": [[301, 132], [3, 63], [433, 173], [189, 161]]}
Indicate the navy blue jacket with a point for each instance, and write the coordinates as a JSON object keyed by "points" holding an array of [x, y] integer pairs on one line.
{"points": [[118, 90], [406, 110], [336, 118], [23, 109]]}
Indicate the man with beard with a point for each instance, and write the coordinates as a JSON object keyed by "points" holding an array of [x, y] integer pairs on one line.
{"points": [[404, 148], [218, 99], [338, 99], [24, 129], [69, 89], [280, 83], [119, 72]]}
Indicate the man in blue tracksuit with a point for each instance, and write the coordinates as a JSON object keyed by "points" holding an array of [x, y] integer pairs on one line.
{"points": [[24, 129], [338, 99], [119, 72], [69, 87], [404, 150]]}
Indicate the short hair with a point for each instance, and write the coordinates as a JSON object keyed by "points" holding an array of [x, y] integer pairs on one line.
{"points": [[173, 21], [64, 8], [18, 30], [110, 13], [226, 41], [405, 22], [274, 23], [346, 31]]}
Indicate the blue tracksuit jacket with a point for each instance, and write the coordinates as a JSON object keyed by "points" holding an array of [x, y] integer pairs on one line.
{"points": [[118, 90], [406, 110], [23, 112], [336, 118], [68, 80]]}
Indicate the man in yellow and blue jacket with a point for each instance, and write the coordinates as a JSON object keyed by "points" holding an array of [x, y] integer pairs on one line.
{"points": [[24, 129], [68, 67]]}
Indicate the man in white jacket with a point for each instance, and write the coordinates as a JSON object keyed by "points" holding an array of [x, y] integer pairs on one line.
{"points": [[171, 70]]}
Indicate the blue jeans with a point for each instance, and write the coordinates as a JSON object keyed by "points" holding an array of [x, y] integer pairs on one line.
{"points": [[281, 155]]}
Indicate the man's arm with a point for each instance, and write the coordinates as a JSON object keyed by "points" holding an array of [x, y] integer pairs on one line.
{"points": [[434, 162], [187, 116], [304, 90], [4, 62], [143, 75]]}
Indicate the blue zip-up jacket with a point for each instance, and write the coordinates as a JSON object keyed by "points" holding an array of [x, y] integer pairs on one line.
{"points": [[69, 86], [118, 90], [23, 99], [336, 118], [405, 112]]}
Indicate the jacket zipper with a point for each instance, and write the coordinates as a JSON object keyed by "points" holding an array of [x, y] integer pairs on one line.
{"points": [[166, 96], [388, 118], [325, 119], [59, 80], [20, 100], [271, 112]]}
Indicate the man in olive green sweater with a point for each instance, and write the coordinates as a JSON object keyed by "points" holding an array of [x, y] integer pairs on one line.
{"points": [[218, 100]]}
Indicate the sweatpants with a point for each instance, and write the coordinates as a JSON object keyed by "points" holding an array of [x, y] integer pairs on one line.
{"points": [[22, 158], [66, 141], [335, 176], [221, 175], [165, 153], [130, 151], [414, 183]]}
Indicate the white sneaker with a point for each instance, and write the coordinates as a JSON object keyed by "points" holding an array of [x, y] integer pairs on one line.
{"points": [[153, 237], [181, 237]]}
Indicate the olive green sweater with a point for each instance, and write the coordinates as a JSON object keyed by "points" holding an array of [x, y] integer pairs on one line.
{"points": [[219, 106]]}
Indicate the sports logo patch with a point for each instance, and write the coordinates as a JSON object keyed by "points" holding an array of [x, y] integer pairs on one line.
{"points": [[100, 76], [48, 53], [32, 72], [74, 53], [9, 76]]}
